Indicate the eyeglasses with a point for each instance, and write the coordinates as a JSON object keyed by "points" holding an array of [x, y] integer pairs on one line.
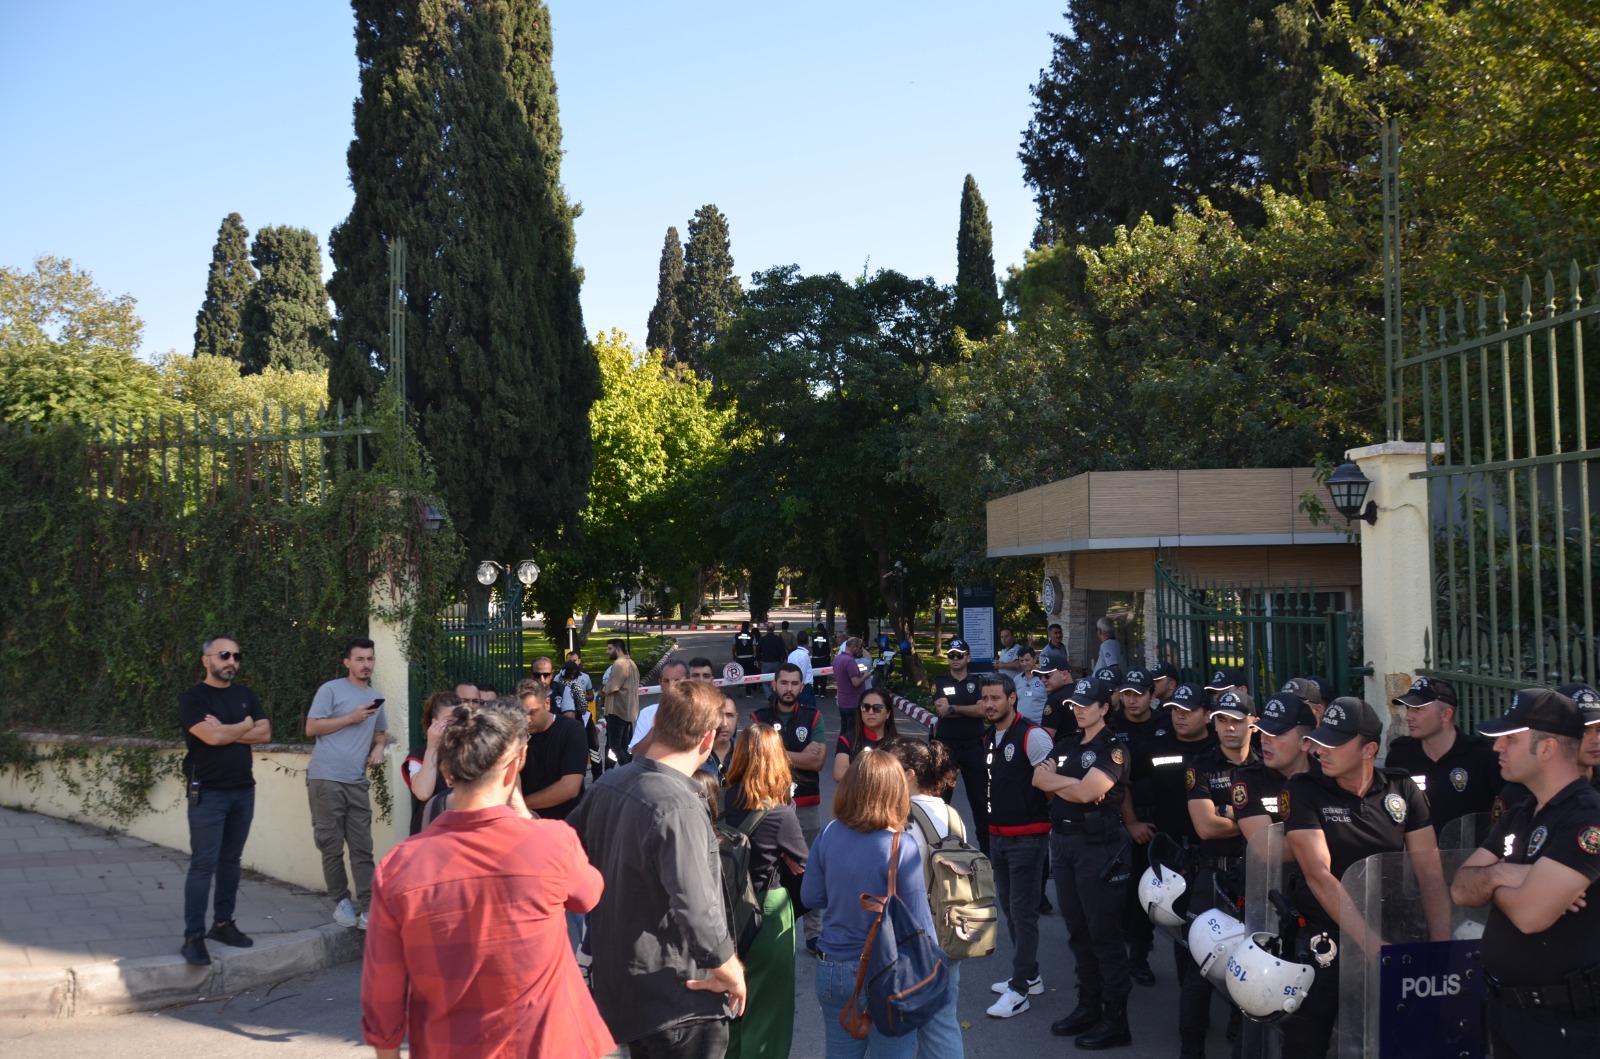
{"points": [[231, 656], [956, 656], [873, 707], [545, 675]]}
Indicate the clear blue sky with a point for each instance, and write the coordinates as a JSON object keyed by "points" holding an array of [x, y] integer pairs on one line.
{"points": [[829, 133]]}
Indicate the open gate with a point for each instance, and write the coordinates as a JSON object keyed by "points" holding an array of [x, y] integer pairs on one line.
{"points": [[480, 645]]}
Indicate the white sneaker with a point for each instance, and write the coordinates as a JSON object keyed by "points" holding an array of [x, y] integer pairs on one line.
{"points": [[1035, 986], [362, 922], [344, 913], [1010, 1003]]}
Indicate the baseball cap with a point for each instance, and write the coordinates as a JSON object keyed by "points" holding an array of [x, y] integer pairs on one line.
{"points": [[1136, 680], [1309, 690], [1188, 697], [1345, 718], [957, 645], [1046, 663], [1090, 691], [1226, 677], [1428, 689], [1285, 712], [1111, 676], [1232, 705], [1588, 701], [1156, 670], [1539, 709]]}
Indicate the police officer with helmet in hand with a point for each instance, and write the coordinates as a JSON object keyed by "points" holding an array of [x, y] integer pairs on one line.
{"points": [[1537, 871]]}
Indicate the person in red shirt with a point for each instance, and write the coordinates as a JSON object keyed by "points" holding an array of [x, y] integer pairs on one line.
{"points": [[467, 950]]}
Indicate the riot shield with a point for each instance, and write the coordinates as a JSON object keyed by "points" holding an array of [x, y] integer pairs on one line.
{"points": [[1465, 832], [1410, 982], [1263, 873]]}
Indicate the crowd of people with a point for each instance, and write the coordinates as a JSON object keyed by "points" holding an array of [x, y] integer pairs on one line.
{"points": [[566, 891]]}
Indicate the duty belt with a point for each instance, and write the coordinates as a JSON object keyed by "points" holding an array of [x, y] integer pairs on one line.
{"points": [[1578, 993]]}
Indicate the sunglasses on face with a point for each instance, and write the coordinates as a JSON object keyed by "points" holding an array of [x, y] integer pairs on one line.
{"points": [[545, 675], [956, 656], [873, 707], [231, 656]]}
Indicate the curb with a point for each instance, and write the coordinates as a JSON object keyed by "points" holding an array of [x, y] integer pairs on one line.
{"points": [[116, 987]]}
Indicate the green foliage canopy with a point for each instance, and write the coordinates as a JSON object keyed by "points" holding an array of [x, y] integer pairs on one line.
{"points": [[285, 320], [709, 294], [977, 307], [219, 325], [666, 319]]}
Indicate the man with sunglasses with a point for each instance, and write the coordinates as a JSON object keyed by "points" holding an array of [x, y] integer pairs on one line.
{"points": [[960, 729], [220, 722]]}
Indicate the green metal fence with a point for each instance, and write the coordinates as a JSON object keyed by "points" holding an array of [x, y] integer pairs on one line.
{"points": [[477, 644], [1274, 632], [1503, 404]]}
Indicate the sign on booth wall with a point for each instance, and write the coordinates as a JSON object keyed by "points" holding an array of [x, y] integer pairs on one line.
{"points": [[1430, 1000], [975, 607]]}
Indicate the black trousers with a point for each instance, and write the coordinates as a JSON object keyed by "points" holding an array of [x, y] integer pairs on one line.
{"points": [[1519, 1033], [1136, 924], [687, 1040], [619, 734], [1307, 1033], [1092, 907], [968, 756], [1195, 989]]}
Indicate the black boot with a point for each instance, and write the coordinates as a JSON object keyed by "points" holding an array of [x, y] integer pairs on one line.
{"points": [[1191, 1047], [1139, 970], [1112, 1031], [1083, 1017]]}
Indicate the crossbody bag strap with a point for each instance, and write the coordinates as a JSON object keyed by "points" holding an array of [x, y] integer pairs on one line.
{"points": [[855, 1021]]}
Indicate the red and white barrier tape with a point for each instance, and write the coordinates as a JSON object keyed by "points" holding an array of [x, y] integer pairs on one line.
{"points": [[738, 682]]}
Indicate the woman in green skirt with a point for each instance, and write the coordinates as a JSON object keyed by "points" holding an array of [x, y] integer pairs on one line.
{"points": [[759, 782]]}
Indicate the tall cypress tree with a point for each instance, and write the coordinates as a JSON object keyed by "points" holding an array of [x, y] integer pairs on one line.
{"points": [[666, 320], [977, 308], [286, 318], [458, 151], [218, 326], [710, 291]]}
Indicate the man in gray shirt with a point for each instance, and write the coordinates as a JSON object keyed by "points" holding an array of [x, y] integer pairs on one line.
{"points": [[347, 718], [662, 952]]}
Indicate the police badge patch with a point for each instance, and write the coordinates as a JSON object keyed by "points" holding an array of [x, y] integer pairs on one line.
{"points": [[1458, 779], [1589, 840], [1087, 759], [1011, 751], [1283, 804], [1241, 795], [1536, 840], [801, 733], [1188, 779], [1116, 755], [1396, 806]]}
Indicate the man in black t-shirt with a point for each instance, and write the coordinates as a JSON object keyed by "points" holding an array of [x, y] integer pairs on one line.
{"points": [[1458, 772], [220, 722], [558, 756], [960, 729], [771, 650]]}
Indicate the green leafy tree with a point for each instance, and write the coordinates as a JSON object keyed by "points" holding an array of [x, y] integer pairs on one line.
{"points": [[458, 151], [710, 291], [214, 386], [219, 326], [666, 320], [977, 308], [286, 319], [68, 349]]}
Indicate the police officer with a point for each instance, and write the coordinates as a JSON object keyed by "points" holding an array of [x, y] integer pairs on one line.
{"points": [[960, 729], [1349, 811], [821, 656], [1257, 800], [1168, 759], [744, 653], [1019, 835], [1309, 690], [1537, 870], [1226, 678], [805, 743], [1087, 854], [1210, 793], [1458, 772], [1163, 680], [1057, 716], [1139, 726], [1588, 701]]}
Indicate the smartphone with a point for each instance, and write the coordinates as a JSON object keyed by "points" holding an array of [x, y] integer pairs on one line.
{"points": [[376, 705]]}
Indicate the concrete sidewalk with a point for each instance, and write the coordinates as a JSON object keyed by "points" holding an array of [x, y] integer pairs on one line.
{"points": [[91, 922]]}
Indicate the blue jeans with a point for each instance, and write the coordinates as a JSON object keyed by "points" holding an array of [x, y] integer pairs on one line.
{"points": [[1018, 880], [941, 1038], [218, 827], [835, 982]]}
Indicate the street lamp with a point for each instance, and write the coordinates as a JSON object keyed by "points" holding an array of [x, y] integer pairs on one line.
{"points": [[1348, 488], [432, 518], [527, 572], [489, 571]]}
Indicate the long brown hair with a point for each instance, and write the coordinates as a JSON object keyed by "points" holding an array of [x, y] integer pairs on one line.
{"points": [[873, 795], [759, 769]]}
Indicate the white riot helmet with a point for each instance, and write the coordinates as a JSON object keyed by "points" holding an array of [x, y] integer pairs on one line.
{"points": [[1163, 894], [1265, 987], [1212, 937]]}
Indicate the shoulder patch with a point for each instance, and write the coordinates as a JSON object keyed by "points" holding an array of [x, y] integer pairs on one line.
{"points": [[1589, 840], [1116, 755], [1458, 779], [1241, 793], [1188, 779], [1283, 803]]}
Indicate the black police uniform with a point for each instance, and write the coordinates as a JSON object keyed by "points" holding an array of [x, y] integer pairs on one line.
{"points": [[1544, 989], [1355, 828], [1257, 791], [1137, 737], [1058, 715], [1512, 793], [1084, 841], [821, 658], [797, 730], [1169, 758], [1019, 827], [1465, 780], [1210, 782], [744, 652], [963, 737]]}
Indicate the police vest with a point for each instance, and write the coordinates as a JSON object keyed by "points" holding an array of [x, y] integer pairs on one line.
{"points": [[1016, 806], [795, 730], [744, 646]]}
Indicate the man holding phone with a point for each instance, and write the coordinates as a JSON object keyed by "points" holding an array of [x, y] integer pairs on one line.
{"points": [[347, 719]]}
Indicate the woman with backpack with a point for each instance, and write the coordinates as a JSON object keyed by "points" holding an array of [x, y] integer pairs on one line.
{"points": [[851, 858], [759, 781], [874, 723]]}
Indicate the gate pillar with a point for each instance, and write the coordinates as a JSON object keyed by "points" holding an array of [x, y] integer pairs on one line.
{"points": [[1397, 591]]}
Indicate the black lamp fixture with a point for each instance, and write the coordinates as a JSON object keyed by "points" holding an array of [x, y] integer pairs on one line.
{"points": [[432, 519], [1348, 488]]}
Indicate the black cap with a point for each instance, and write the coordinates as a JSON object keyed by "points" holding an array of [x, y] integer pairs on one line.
{"points": [[1308, 689], [1090, 691], [1231, 704], [1324, 689], [1188, 697], [1111, 676], [958, 644], [1156, 670], [1540, 709], [1588, 701], [1428, 689], [1344, 719], [1285, 712], [1226, 677], [1046, 664], [1136, 680]]}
